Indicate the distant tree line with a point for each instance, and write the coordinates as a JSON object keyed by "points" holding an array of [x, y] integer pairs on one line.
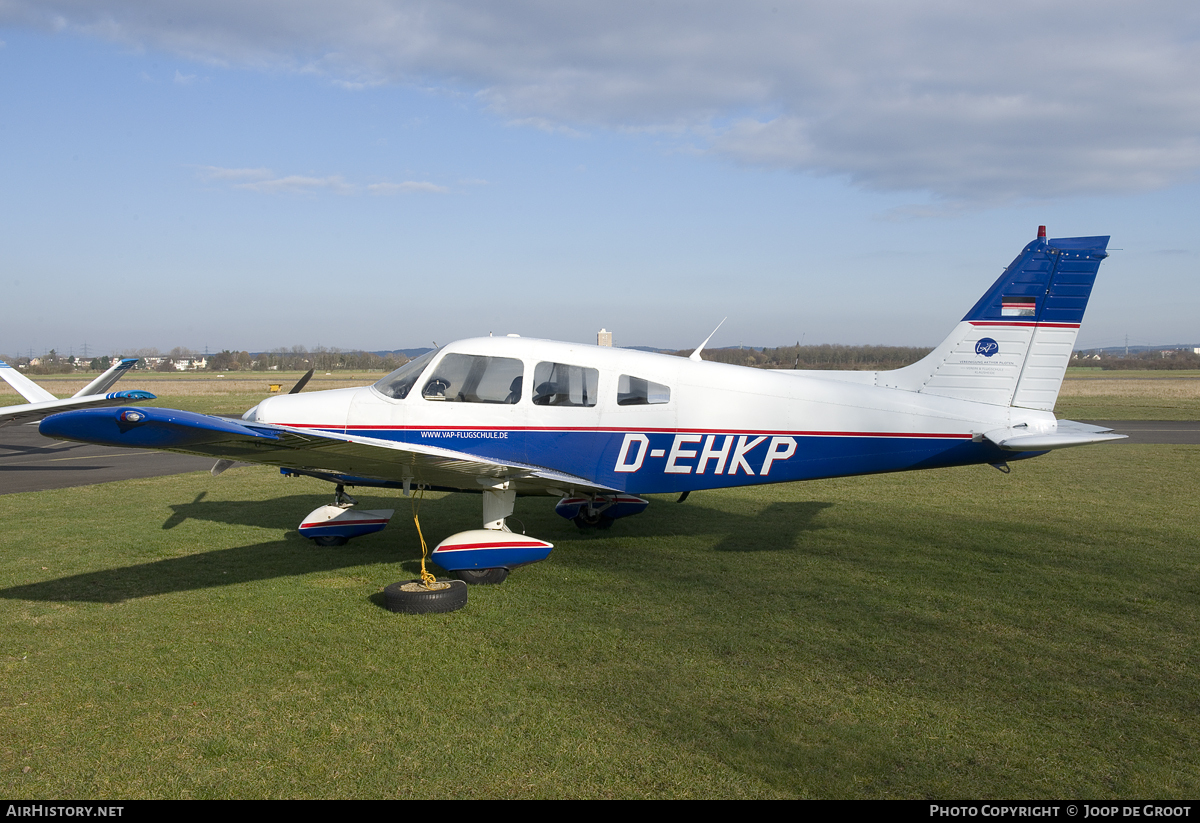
{"points": [[827, 356], [298, 358]]}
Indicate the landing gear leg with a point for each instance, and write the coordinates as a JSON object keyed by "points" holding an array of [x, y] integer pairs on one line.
{"points": [[341, 499], [497, 505]]}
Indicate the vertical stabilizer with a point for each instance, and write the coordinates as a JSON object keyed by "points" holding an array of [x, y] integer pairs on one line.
{"points": [[102, 383], [1014, 345], [25, 387]]}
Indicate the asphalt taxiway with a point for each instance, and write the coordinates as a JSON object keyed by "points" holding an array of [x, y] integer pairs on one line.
{"points": [[31, 463], [1154, 432]]}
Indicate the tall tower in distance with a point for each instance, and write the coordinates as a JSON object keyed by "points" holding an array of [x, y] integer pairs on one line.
{"points": [[604, 338]]}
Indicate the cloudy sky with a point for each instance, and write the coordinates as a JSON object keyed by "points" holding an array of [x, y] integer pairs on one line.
{"points": [[383, 174]]}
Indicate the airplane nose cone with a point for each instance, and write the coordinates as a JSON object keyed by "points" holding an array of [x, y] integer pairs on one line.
{"points": [[325, 408], [260, 413]]}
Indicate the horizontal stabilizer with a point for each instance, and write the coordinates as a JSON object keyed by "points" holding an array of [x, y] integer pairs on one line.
{"points": [[1066, 433]]}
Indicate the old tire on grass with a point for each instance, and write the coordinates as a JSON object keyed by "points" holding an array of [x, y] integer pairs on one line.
{"points": [[481, 577], [411, 597]]}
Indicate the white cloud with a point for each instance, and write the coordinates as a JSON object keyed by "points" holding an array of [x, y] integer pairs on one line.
{"points": [[184, 79], [967, 101], [219, 173], [266, 181], [298, 184], [409, 186], [546, 125]]}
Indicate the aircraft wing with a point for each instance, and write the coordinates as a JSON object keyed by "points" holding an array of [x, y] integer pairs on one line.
{"points": [[29, 412], [304, 450]]}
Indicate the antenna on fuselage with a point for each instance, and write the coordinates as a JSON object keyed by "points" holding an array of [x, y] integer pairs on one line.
{"points": [[696, 354]]}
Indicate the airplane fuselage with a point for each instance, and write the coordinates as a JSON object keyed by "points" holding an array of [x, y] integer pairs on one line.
{"points": [[705, 425]]}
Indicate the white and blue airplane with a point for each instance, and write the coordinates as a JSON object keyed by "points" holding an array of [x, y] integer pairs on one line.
{"points": [[43, 404], [597, 427]]}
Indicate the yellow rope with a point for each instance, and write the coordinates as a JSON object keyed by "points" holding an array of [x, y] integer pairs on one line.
{"points": [[426, 577]]}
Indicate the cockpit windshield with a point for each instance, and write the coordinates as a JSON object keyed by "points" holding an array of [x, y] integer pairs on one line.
{"points": [[398, 383]]}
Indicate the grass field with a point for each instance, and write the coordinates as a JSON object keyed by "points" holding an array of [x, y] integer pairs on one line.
{"points": [[1092, 394], [944, 634]]}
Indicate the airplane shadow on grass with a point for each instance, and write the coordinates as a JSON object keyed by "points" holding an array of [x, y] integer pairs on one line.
{"points": [[772, 528]]}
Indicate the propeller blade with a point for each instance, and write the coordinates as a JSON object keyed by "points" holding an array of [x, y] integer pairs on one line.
{"points": [[302, 382]]}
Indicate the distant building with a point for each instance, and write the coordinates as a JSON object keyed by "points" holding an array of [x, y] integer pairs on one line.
{"points": [[604, 338]]}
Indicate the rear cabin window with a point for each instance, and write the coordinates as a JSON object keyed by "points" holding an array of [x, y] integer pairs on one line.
{"points": [[637, 391], [471, 378], [558, 384]]}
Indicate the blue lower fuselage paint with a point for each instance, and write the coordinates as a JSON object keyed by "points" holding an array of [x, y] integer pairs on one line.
{"points": [[659, 462]]}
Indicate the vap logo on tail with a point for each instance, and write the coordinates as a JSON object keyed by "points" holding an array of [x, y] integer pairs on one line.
{"points": [[987, 347], [732, 454]]}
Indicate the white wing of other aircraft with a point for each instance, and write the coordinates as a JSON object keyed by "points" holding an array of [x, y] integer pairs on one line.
{"points": [[596, 427], [42, 403]]}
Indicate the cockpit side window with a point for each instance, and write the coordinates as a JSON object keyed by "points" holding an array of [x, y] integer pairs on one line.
{"points": [[472, 378], [558, 384], [398, 383], [638, 391]]}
